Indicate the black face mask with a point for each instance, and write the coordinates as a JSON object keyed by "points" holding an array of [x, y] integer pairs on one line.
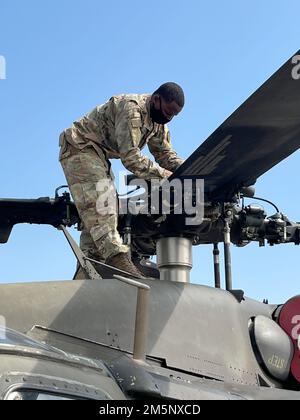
{"points": [[157, 116]]}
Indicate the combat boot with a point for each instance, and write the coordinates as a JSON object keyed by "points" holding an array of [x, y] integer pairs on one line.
{"points": [[123, 262]]}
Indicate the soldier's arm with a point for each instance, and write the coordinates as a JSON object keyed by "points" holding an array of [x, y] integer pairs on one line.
{"points": [[161, 148], [128, 125]]}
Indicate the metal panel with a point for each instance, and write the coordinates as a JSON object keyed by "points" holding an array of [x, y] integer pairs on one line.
{"points": [[194, 328]]}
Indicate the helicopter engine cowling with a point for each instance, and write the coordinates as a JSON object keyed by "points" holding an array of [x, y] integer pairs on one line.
{"points": [[272, 346]]}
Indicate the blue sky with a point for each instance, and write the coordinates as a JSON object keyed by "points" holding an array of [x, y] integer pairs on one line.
{"points": [[64, 57]]}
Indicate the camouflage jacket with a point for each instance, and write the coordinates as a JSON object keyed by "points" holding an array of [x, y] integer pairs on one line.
{"points": [[122, 127]]}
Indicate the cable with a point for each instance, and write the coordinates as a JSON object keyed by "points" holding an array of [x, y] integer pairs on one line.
{"points": [[130, 192], [60, 188], [266, 201]]}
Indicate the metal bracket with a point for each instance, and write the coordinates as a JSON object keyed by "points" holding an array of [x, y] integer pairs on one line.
{"points": [[84, 262]]}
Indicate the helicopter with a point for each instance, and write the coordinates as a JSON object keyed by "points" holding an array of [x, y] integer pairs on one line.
{"points": [[114, 337]]}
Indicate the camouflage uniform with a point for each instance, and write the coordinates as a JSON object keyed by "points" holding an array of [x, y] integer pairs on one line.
{"points": [[119, 129]]}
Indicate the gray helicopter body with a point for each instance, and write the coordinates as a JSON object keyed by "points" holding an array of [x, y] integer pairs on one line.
{"points": [[199, 343]]}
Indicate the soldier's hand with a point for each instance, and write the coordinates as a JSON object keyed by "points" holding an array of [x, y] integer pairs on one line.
{"points": [[167, 173]]}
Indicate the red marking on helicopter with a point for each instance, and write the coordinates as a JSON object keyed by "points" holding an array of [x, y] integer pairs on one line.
{"points": [[289, 320]]}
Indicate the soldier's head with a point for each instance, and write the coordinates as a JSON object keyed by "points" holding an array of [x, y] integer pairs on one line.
{"points": [[166, 102]]}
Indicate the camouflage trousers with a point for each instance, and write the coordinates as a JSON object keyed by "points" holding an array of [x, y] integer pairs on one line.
{"points": [[91, 183]]}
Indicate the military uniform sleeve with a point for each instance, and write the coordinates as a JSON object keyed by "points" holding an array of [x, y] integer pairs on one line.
{"points": [[161, 148], [128, 125]]}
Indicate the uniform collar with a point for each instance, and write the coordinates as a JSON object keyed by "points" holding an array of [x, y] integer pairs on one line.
{"points": [[149, 124]]}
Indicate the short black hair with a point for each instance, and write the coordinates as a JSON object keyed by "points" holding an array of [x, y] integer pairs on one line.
{"points": [[170, 92]]}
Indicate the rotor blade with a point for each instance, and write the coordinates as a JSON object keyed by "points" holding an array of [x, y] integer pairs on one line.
{"points": [[5, 232], [257, 136]]}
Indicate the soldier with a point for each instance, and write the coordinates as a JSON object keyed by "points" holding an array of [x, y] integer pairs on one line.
{"points": [[119, 129]]}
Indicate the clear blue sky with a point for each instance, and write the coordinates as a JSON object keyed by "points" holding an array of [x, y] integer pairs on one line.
{"points": [[64, 57]]}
